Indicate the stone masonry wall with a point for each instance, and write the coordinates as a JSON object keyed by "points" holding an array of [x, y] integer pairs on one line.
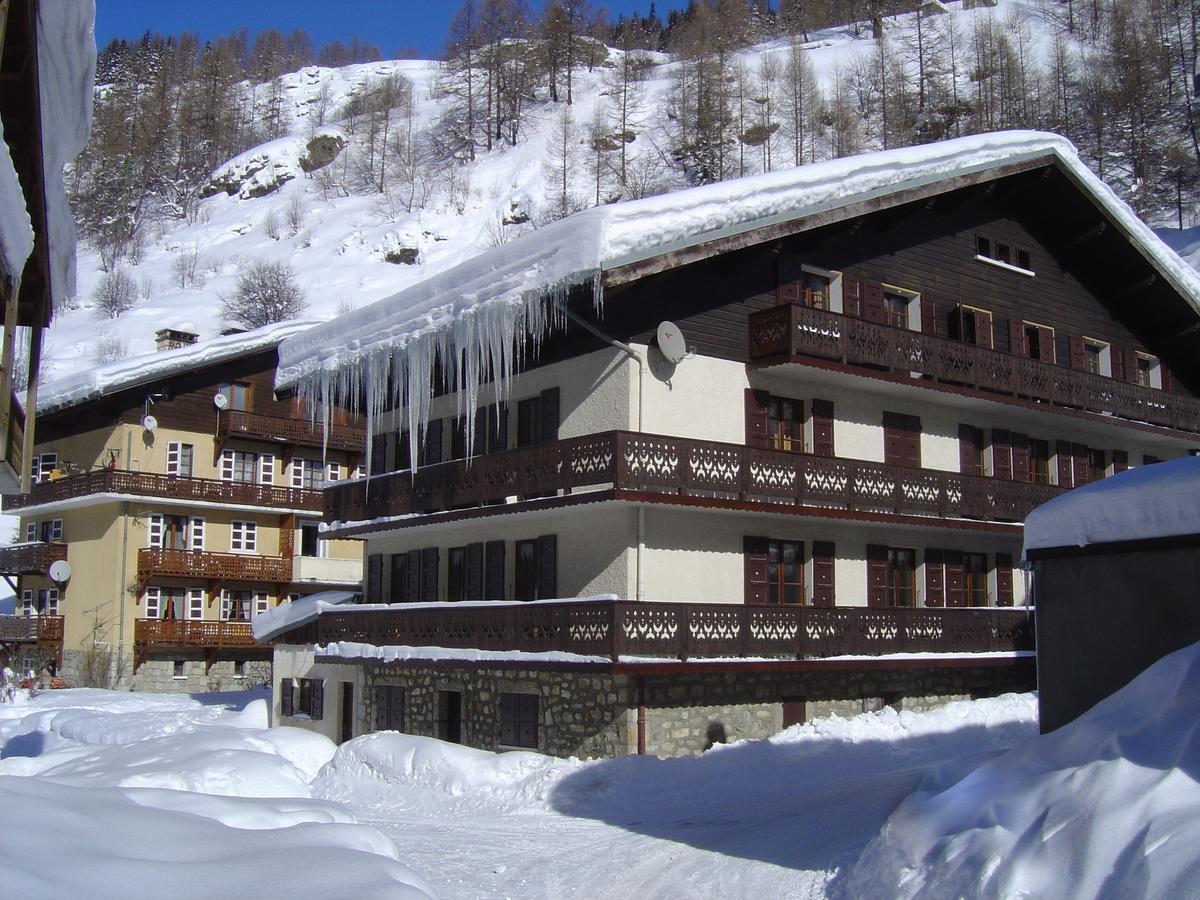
{"points": [[158, 675]]}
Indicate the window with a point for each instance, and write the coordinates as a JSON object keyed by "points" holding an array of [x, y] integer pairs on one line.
{"points": [[972, 459], [1144, 371], [896, 308], [239, 668], [1097, 356], [243, 536], [308, 474], [153, 603], [174, 532], [1003, 254], [519, 720], [901, 308], [414, 576], [537, 419], [180, 458], [1031, 340], [179, 668], [46, 602], [312, 698], [975, 573], [1033, 347], [785, 424], [170, 532], [537, 569], [52, 531], [238, 393], [901, 577], [970, 325], [456, 575], [814, 290], [195, 598], [311, 544], [27, 605], [1097, 467], [242, 606], [785, 572], [239, 465], [42, 467], [449, 721], [1039, 461], [333, 471], [389, 707]]}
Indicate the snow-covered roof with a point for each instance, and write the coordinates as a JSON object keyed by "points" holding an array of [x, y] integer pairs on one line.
{"points": [[91, 383], [1158, 501], [476, 310], [299, 612]]}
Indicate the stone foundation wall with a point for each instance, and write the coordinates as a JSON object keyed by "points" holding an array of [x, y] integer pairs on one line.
{"points": [[158, 675]]}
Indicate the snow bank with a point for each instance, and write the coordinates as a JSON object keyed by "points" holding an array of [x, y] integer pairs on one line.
{"points": [[479, 311], [1107, 806], [1155, 501]]}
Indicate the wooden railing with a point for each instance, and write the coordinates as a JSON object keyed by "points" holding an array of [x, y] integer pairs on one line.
{"points": [[622, 629], [203, 564], [706, 470], [236, 422], [150, 484], [42, 629], [800, 331], [182, 633], [33, 558]]}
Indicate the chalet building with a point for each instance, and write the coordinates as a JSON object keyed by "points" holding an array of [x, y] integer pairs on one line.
{"points": [[813, 505], [175, 499]]}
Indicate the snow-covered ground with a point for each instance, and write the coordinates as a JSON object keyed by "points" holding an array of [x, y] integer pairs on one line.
{"points": [[128, 795]]}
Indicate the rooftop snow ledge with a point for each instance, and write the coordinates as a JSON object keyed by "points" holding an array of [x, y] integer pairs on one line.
{"points": [[1158, 501]]}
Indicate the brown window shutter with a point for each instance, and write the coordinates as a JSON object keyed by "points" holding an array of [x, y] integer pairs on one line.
{"points": [[497, 415], [756, 418], [550, 415], [378, 454], [399, 578], [547, 567], [970, 446], [1046, 340], [1016, 337], [935, 583], [433, 443], [1004, 579], [929, 316], [429, 575], [873, 302], [287, 697], [1165, 375], [1131, 366], [877, 574], [852, 297], [1120, 461], [1020, 456], [412, 576], [983, 328], [374, 592], [493, 579], [754, 567], [1078, 352], [474, 573], [956, 589], [1002, 454], [381, 709], [1079, 462], [318, 698], [901, 440], [1062, 452], [823, 555], [788, 270], [822, 427]]}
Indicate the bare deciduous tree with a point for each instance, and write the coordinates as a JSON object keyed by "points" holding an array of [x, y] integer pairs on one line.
{"points": [[116, 293], [266, 293]]}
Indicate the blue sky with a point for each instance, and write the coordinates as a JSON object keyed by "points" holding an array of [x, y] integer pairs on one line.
{"points": [[391, 24]]}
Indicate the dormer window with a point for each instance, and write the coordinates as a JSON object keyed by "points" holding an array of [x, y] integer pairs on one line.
{"points": [[1002, 254]]}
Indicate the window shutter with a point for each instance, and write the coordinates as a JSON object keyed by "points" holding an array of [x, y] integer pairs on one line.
{"points": [[173, 458], [756, 418], [1016, 337], [754, 566], [153, 597], [852, 297], [56, 529], [1002, 454], [1120, 461], [399, 577], [154, 531], [197, 535], [333, 471], [968, 449], [266, 468], [227, 465], [901, 440], [935, 584], [788, 271], [929, 316], [412, 577], [497, 428], [317, 703], [381, 708], [873, 302], [1020, 457], [956, 587], [527, 720], [1079, 462], [474, 573], [287, 697], [1078, 353], [433, 442], [983, 328], [823, 555], [31, 532], [429, 575], [374, 586], [297, 466], [1004, 579], [1165, 374], [822, 427], [1046, 342], [1131, 365], [493, 577], [1062, 454], [547, 567], [877, 575], [379, 455], [508, 719], [549, 428]]}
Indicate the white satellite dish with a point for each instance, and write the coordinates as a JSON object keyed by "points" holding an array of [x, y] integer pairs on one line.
{"points": [[220, 401], [149, 423], [60, 571], [670, 342]]}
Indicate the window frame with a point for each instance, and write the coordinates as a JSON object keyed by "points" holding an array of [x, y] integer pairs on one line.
{"points": [[239, 393], [895, 587], [976, 574], [779, 587], [243, 536], [1002, 255], [912, 307]]}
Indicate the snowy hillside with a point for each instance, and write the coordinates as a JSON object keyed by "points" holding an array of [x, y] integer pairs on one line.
{"points": [[351, 245]]}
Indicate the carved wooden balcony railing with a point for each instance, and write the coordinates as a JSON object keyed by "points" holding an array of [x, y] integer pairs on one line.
{"points": [[183, 633], [237, 423], [800, 331], [159, 562], [29, 629], [623, 629], [706, 471], [31, 558], [172, 487]]}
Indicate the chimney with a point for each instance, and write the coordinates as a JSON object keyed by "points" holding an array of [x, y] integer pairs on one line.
{"points": [[169, 338]]}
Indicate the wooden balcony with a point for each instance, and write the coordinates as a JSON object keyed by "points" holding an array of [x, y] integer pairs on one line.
{"points": [[797, 331], [706, 472], [169, 487], [163, 633], [31, 629], [682, 631], [238, 423], [162, 563], [31, 558]]}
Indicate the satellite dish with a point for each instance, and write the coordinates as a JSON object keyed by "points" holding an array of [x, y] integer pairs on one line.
{"points": [[670, 342], [220, 401], [149, 423], [60, 571]]}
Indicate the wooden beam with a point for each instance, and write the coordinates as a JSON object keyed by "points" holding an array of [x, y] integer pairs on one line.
{"points": [[11, 291], [31, 389]]}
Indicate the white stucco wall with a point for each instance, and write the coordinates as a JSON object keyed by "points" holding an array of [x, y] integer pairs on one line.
{"points": [[296, 661]]}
